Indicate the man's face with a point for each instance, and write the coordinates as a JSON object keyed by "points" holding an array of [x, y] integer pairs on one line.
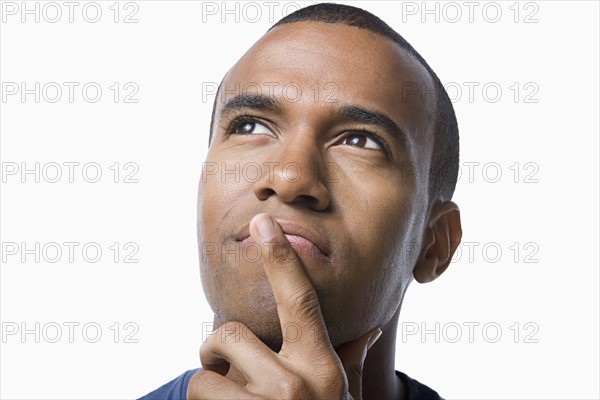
{"points": [[327, 128]]}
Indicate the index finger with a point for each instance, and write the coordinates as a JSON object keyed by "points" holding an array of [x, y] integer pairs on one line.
{"points": [[297, 302]]}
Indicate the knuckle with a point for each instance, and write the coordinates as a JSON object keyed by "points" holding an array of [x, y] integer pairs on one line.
{"points": [[230, 331], [200, 380], [332, 376], [305, 302], [290, 386], [197, 378]]}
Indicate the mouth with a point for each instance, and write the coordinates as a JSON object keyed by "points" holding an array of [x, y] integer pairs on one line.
{"points": [[305, 241]]}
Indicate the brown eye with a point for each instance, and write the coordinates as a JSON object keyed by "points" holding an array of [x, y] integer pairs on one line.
{"points": [[246, 127], [362, 140], [249, 127]]}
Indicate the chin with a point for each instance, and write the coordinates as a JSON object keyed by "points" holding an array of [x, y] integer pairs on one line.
{"points": [[260, 318]]}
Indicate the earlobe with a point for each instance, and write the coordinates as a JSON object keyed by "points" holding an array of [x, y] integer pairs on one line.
{"points": [[439, 242]]}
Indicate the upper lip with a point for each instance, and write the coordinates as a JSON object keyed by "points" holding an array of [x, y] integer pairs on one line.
{"points": [[293, 228]]}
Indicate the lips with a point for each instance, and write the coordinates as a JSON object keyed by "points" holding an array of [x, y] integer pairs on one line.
{"points": [[303, 239]]}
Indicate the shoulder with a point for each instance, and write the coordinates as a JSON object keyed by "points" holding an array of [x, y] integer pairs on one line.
{"points": [[174, 390], [416, 390], [177, 388]]}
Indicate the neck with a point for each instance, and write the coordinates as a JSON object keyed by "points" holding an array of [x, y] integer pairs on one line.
{"points": [[379, 371]]}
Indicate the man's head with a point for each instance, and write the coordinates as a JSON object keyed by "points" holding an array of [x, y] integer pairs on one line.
{"points": [[336, 127]]}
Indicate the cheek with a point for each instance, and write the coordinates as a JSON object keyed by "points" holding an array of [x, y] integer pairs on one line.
{"points": [[376, 206], [218, 192], [380, 214]]}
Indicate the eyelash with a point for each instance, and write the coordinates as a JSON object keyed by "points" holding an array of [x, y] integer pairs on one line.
{"points": [[373, 136], [235, 122]]}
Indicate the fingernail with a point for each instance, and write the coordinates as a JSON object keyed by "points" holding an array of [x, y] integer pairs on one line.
{"points": [[265, 226], [374, 337]]}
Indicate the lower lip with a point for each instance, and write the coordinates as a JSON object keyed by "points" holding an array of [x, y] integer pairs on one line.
{"points": [[304, 248]]}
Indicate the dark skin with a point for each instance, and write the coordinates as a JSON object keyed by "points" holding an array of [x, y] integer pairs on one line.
{"points": [[351, 221]]}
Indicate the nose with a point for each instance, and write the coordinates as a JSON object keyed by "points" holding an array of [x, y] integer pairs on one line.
{"points": [[295, 174]]}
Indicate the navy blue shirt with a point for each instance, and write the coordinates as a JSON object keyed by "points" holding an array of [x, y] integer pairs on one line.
{"points": [[177, 388]]}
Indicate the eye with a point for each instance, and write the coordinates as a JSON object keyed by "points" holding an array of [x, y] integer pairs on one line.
{"points": [[363, 140], [249, 126]]}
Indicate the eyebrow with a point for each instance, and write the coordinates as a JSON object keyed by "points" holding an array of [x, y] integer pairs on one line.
{"points": [[351, 113], [362, 115], [252, 101]]}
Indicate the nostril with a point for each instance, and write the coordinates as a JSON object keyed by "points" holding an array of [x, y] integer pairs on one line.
{"points": [[311, 201], [265, 193], [307, 199], [305, 192]]}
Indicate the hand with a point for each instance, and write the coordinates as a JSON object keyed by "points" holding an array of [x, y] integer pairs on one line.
{"points": [[307, 367]]}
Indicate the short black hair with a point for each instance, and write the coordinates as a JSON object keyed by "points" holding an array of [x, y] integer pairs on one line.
{"points": [[443, 170]]}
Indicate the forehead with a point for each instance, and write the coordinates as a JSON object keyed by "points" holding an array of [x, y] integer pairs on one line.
{"points": [[320, 65]]}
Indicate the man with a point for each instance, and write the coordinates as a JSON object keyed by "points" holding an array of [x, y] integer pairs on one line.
{"points": [[326, 190]]}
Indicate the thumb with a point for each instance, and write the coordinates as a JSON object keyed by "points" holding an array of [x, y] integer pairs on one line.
{"points": [[352, 355]]}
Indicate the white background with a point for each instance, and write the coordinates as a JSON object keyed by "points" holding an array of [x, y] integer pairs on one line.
{"points": [[550, 209]]}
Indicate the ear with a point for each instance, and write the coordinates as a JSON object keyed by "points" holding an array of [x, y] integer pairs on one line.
{"points": [[440, 240]]}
